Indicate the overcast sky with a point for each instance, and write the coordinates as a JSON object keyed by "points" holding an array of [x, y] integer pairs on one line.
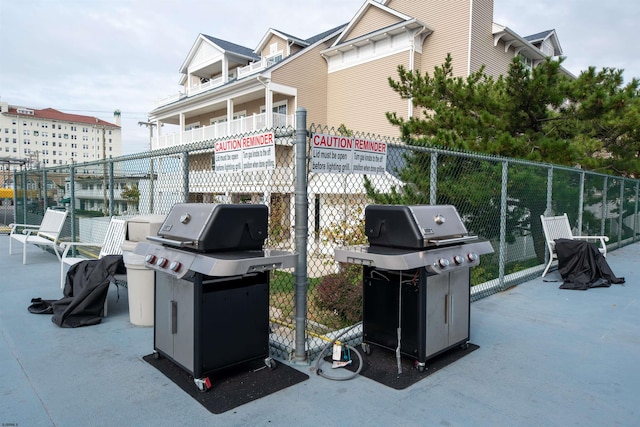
{"points": [[92, 57]]}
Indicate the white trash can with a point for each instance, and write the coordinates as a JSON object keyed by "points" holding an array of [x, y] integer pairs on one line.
{"points": [[140, 285]]}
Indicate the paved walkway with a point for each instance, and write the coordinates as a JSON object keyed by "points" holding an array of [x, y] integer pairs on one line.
{"points": [[547, 357]]}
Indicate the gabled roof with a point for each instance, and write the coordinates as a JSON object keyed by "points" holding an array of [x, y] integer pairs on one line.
{"points": [[222, 45], [282, 35], [51, 114], [230, 47], [382, 33], [325, 34], [519, 43], [539, 38], [361, 12]]}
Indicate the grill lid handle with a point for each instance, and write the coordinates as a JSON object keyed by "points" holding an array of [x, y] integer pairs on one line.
{"points": [[171, 242]]}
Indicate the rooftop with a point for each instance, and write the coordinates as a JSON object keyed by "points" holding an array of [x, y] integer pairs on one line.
{"points": [[547, 357]]}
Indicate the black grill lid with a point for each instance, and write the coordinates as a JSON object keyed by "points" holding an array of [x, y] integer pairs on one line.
{"points": [[212, 227], [414, 226]]}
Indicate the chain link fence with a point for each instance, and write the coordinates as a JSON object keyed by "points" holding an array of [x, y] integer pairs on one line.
{"points": [[499, 200]]}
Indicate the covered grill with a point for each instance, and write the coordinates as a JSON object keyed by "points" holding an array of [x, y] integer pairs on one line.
{"points": [[416, 277], [212, 286]]}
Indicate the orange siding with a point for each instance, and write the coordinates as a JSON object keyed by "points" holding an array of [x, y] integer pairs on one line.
{"points": [[360, 96], [282, 46], [307, 73], [483, 52], [373, 20]]}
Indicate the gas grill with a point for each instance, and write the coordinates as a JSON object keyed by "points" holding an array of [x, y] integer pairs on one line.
{"points": [[212, 286], [416, 278]]}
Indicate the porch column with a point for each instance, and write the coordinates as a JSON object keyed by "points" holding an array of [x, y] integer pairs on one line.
{"points": [[268, 106], [182, 120], [225, 69], [229, 115]]}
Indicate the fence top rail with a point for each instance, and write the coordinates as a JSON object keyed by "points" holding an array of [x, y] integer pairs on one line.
{"points": [[285, 132]]}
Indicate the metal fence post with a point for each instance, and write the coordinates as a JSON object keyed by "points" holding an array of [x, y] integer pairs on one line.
{"points": [[549, 192], [24, 196], [605, 196], [581, 201], [503, 223], [621, 212], [185, 176], [72, 204], [111, 189], [45, 202], [635, 213], [433, 179], [301, 231]]}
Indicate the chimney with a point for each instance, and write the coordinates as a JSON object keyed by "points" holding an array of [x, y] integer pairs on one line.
{"points": [[116, 116]]}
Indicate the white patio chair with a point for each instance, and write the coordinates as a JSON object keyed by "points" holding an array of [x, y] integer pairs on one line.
{"points": [[111, 245], [558, 227], [47, 234]]}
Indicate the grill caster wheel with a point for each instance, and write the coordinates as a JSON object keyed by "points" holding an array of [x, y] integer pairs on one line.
{"points": [[366, 348], [421, 366], [464, 346], [271, 364], [203, 384], [156, 355]]}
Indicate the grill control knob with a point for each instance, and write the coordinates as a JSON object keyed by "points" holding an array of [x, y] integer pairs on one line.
{"points": [[162, 262], [458, 259], [150, 259], [175, 266], [443, 263], [472, 257]]}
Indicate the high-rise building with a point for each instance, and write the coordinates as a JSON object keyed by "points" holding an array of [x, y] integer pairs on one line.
{"points": [[50, 137]]}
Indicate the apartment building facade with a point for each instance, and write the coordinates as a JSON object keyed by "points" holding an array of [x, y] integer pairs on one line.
{"points": [[49, 137], [341, 75]]}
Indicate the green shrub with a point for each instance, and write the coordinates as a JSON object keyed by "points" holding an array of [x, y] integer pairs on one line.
{"points": [[341, 294]]}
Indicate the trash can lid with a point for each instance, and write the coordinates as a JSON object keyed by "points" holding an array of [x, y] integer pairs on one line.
{"points": [[129, 246]]}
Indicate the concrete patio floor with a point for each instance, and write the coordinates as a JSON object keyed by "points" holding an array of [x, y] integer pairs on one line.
{"points": [[547, 357]]}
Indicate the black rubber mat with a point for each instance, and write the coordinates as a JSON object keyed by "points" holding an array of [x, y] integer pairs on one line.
{"points": [[381, 365], [231, 387]]}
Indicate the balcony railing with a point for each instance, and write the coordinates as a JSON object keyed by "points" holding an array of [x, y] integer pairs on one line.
{"points": [[247, 124], [242, 72], [254, 67]]}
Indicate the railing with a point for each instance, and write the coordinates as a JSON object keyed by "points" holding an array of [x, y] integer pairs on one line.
{"points": [[247, 124], [169, 99], [201, 87], [254, 67], [197, 88]]}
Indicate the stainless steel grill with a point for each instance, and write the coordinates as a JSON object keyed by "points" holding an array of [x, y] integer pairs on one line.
{"points": [[416, 276], [406, 237], [210, 265]]}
